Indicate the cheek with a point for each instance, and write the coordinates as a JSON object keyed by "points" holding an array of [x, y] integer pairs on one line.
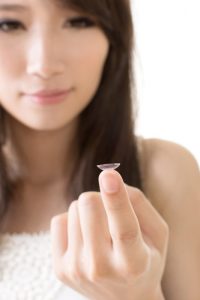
{"points": [[10, 56], [11, 66], [89, 63]]}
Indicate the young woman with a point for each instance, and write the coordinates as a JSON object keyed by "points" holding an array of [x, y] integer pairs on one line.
{"points": [[67, 230]]}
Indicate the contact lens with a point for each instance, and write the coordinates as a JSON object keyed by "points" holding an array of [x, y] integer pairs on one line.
{"points": [[108, 166]]}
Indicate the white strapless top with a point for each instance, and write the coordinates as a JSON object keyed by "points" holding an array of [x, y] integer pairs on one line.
{"points": [[26, 271]]}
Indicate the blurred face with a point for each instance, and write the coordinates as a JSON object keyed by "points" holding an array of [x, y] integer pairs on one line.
{"points": [[45, 48]]}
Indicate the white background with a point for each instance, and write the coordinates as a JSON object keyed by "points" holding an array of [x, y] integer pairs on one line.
{"points": [[167, 69]]}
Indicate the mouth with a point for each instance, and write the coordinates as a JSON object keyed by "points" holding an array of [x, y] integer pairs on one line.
{"points": [[45, 97]]}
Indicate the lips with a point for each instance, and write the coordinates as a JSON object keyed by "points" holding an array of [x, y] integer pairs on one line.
{"points": [[46, 97], [48, 93]]}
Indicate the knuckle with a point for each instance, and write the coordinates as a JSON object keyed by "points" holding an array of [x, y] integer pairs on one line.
{"points": [[116, 206], [136, 269], [127, 236], [133, 274], [72, 206], [97, 273], [136, 196], [94, 276], [138, 193], [88, 198]]}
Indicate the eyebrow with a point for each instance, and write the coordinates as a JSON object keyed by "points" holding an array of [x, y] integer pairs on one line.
{"points": [[11, 7]]}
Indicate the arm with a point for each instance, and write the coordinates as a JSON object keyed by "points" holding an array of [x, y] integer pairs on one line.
{"points": [[173, 186]]}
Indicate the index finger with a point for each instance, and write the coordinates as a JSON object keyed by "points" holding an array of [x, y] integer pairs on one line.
{"points": [[122, 220]]}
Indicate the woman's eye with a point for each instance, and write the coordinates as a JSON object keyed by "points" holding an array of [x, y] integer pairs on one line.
{"points": [[7, 26], [80, 22]]}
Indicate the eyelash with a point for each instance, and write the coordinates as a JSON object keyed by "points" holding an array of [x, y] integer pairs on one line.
{"points": [[79, 22]]}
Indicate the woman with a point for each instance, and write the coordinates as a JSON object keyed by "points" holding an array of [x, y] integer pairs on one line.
{"points": [[65, 96]]}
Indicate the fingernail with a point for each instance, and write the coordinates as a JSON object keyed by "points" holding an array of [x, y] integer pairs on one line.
{"points": [[109, 183]]}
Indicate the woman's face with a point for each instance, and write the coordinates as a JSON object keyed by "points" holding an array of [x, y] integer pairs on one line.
{"points": [[43, 47]]}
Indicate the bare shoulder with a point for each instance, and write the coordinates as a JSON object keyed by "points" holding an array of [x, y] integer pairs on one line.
{"points": [[170, 172], [172, 184]]}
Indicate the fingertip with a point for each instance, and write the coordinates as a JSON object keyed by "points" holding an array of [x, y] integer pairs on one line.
{"points": [[110, 181], [109, 171]]}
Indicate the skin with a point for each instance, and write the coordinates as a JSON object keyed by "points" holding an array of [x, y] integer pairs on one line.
{"points": [[134, 249]]}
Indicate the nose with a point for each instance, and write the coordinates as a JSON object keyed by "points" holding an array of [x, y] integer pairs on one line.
{"points": [[44, 57]]}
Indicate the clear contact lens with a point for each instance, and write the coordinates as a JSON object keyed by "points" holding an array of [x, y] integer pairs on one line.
{"points": [[108, 166]]}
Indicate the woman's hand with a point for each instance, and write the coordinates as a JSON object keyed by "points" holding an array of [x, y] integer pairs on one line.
{"points": [[111, 245]]}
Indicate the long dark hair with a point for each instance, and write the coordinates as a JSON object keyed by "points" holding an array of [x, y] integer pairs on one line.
{"points": [[106, 127]]}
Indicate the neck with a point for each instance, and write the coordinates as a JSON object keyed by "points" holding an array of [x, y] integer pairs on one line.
{"points": [[40, 157]]}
